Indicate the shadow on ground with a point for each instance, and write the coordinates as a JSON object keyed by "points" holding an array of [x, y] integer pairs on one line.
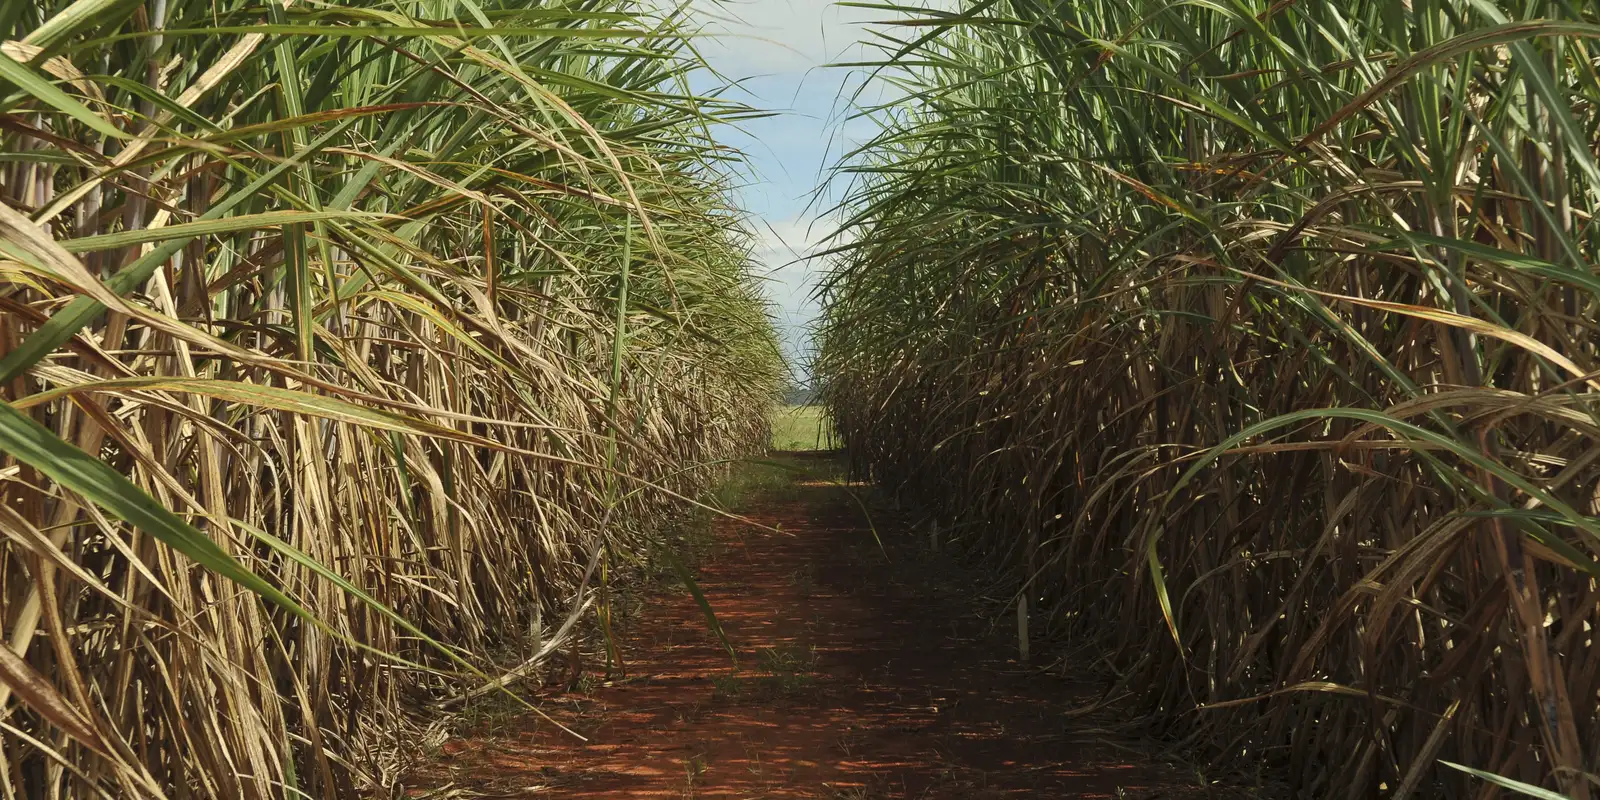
{"points": [[864, 673]]}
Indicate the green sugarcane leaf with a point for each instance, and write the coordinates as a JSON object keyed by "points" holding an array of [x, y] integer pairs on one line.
{"points": [[37, 446], [1507, 783], [45, 92], [188, 231]]}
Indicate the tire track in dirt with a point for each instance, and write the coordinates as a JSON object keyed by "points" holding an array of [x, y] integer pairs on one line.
{"points": [[861, 677]]}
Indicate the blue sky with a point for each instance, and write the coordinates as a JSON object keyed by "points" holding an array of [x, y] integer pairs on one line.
{"points": [[776, 50]]}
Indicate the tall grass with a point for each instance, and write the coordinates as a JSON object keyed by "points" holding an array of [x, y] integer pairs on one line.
{"points": [[340, 345], [1258, 340]]}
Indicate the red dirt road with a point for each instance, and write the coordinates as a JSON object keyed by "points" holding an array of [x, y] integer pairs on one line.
{"points": [[861, 677]]}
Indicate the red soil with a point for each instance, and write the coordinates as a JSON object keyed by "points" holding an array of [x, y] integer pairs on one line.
{"points": [[861, 677]]}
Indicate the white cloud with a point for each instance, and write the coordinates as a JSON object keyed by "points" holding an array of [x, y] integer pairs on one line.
{"points": [[764, 37], [789, 252], [777, 50]]}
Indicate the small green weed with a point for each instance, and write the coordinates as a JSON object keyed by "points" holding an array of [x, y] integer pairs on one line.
{"points": [[804, 580], [785, 673], [792, 660]]}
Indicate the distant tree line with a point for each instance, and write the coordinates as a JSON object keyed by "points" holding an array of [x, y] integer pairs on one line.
{"points": [[800, 396]]}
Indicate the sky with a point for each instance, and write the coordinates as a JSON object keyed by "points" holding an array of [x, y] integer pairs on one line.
{"points": [[776, 51]]}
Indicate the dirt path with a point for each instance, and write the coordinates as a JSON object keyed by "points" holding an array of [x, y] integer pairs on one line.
{"points": [[860, 678]]}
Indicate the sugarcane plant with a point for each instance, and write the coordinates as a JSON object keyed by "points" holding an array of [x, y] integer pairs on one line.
{"points": [[337, 343], [1256, 341]]}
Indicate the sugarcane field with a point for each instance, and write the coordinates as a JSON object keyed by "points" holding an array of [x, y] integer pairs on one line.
{"points": [[835, 399]]}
